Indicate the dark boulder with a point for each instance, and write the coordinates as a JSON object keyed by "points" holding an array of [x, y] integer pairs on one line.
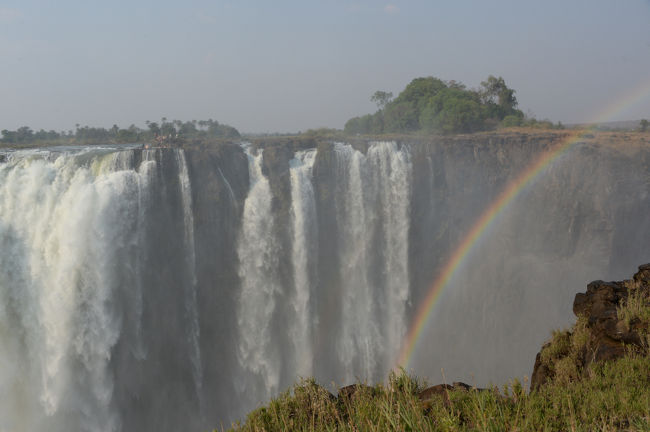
{"points": [[610, 335]]}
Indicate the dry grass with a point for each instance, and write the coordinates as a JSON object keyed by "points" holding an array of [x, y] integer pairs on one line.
{"points": [[615, 396]]}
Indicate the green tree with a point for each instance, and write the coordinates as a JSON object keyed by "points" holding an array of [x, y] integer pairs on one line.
{"points": [[420, 90], [8, 136], [154, 128], [381, 98], [453, 110], [430, 104], [401, 117], [24, 134], [643, 125], [494, 91], [368, 124], [511, 121]]}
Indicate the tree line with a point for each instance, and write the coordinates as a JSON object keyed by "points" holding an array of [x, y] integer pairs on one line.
{"points": [[193, 129], [435, 106]]}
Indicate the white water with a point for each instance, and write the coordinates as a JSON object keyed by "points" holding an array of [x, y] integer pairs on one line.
{"points": [[360, 339], [375, 196], [304, 249], [258, 252], [190, 287], [392, 175], [66, 231]]}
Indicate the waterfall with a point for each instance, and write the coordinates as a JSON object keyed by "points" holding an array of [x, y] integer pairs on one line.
{"points": [[171, 289], [258, 249], [360, 339], [373, 216], [225, 180], [66, 230], [304, 247], [146, 177], [190, 286], [392, 175]]}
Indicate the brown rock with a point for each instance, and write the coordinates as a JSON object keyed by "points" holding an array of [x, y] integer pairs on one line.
{"points": [[436, 390], [608, 334], [541, 373]]}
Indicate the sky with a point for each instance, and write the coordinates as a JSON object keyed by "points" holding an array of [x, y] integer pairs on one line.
{"points": [[291, 65]]}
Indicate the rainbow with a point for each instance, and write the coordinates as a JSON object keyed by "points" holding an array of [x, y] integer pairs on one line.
{"points": [[512, 190]]}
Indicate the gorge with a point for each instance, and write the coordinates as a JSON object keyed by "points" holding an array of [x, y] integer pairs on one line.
{"points": [[176, 289]]}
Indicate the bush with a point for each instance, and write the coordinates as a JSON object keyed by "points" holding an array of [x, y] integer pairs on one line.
{"points": [[511, 121]]}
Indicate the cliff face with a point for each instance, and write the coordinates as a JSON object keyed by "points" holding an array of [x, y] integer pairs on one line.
{"points": [[585, 214], [217, 275]]}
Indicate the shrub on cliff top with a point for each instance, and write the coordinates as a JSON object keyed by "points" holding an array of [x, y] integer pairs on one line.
{"points": [[431, 105]]}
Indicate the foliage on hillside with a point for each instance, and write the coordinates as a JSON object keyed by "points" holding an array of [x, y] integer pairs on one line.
{"points": [[579, 393], [431, 105]]}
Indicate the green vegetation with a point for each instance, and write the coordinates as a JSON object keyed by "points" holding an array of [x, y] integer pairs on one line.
{"points": [[431, 105], [191, 130], [579, 395], [643, 125], [615, 396]]}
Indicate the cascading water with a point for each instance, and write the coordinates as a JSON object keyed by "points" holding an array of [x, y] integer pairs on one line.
{"points": [[67, 228], [74, 230], [373, 214], [392, 175], [190, 286], [258, 252], [174, 289], [303, 252], [147, 172], [359, 344]]}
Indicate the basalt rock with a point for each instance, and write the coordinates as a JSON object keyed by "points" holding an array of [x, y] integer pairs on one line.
{"points": [[610, 335]]}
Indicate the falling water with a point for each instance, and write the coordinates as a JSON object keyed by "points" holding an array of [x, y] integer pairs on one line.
{"points": [[190, 296], [304, 247], [66, 229], [178, 289], [373, 216], [392, 175], [258, 252], [146, 177], [360, 333]]}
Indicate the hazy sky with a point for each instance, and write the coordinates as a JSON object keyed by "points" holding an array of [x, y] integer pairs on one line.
{"points": [[292, 65]]}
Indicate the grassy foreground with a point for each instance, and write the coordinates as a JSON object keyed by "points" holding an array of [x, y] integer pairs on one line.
{"points": [[579, 393], [615, 396]]}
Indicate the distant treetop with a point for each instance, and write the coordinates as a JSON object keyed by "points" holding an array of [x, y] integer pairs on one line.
{"points": [[193, 129]]}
